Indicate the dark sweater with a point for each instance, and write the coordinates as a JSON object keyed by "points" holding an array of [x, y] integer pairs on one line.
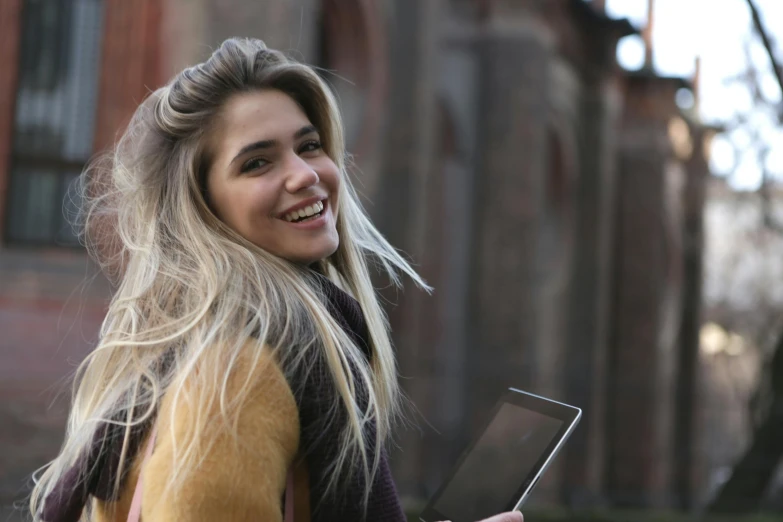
{"points": [[93, 474], [320, 441]]}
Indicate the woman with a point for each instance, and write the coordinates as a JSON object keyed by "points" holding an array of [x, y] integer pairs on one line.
{"points": [[244, 357]]}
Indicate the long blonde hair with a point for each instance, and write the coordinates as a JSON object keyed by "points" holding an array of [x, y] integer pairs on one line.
{"points": [[186, 282]]}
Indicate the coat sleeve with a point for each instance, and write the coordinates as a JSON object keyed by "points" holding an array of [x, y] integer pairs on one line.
{"points": [[238, 478]]}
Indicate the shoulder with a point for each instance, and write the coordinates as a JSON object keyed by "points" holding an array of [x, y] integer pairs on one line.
{"points": [[241, 459], [251, 392]]}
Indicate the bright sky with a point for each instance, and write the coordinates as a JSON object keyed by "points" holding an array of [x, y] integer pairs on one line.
{"points": [[715, 30]]}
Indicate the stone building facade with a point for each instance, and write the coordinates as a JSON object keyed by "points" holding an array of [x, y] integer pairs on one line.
{"points": [[539, 188]]}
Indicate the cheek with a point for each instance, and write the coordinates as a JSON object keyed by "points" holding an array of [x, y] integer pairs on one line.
{"points": [[258, 198], [240, 205], [330, 176]]}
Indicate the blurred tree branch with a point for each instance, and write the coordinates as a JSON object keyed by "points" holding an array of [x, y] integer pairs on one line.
{"points": [[753, 472], [769, 220], [759, 26]]}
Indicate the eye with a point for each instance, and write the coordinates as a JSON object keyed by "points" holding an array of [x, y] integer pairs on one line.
{"points": [[254, 164], [310, 146]]}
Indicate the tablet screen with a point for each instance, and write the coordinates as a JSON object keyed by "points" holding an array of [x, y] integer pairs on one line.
{"points": [[491, 474]]}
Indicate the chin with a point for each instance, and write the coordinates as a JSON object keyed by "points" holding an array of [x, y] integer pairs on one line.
{"points": [[308, 258]]}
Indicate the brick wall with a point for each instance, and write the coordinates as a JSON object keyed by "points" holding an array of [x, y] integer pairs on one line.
{"points": [[647, 259], [50, 313], [10, 22], [130, 64], [52, 301], [591, 49], [49, 318]]}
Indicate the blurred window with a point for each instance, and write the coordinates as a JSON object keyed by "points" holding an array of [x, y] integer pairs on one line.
{"points": [[54, 117]]}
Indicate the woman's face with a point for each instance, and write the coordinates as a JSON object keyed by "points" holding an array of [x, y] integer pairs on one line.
{"points": [[270, 180]]}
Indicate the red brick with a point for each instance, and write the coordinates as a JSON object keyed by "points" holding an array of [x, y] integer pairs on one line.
{"points": [[10, 23]]}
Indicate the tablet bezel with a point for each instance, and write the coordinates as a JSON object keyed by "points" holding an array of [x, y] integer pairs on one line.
{"points": [[569, 415]]}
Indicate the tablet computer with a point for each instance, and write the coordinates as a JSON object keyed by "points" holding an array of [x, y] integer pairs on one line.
{"points": [[501, 466]]}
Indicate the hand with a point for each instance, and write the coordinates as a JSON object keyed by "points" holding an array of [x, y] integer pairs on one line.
{"points": [[511, 516]]}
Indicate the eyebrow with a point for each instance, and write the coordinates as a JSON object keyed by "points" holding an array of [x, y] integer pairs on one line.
{"points": [[268, 144]]}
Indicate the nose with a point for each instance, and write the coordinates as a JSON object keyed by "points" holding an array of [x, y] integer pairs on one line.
{"points": [[299, 175]]}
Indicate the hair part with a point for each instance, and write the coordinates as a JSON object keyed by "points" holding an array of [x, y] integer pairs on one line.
{"points": [[186, 282]]}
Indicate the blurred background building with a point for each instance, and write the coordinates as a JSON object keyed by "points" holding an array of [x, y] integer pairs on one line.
{"points": [[554, 200]]}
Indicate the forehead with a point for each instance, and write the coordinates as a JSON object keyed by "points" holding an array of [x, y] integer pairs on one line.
{"points": [[259, 115]]}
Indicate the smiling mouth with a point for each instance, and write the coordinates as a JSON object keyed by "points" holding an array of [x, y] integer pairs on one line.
{"points": [[309, 213]]}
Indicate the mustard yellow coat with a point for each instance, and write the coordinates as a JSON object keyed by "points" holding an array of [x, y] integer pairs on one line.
{"points": [[236, 482]]}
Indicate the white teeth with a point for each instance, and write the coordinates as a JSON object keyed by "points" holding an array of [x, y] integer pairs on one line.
{"points": [[305, 212]]}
